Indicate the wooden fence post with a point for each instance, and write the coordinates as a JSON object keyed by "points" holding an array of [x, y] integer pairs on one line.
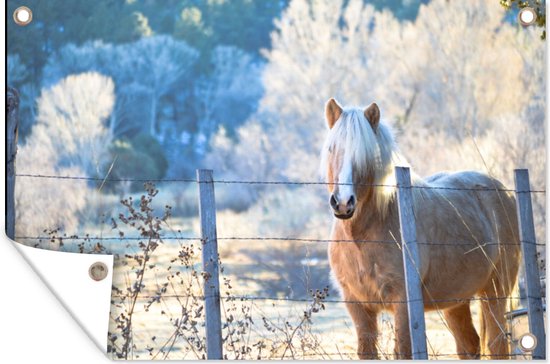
{"points": [[12, 117], [411, 263], [207, 211], [529, 250]]}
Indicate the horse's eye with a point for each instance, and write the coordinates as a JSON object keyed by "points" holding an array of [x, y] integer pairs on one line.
{"points": [[330, 149]]}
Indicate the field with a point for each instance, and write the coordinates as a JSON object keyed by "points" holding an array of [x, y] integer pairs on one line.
{"points": [[330, 335], [264, 319], [274, 303]]}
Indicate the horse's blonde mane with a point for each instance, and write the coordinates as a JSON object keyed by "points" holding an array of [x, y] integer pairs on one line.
{"points": [[374, 155]]}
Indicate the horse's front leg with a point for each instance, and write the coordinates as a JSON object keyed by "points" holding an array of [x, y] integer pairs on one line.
{"points": [[402, 348], [365, 321]]}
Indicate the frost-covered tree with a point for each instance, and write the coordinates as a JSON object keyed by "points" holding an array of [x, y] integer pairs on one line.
{"points": [[70, 138], [145, 70], [233, 160], [466, 66], [230, 93], [43, 204], [158, 63], [223, 99], [320, 49], [456, 75], [457, 69], [481, 85], [72, 120], [95, 56]]}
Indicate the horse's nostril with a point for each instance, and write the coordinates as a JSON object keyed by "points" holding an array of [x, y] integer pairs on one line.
{"points": [[333, 202], [351, 203]]}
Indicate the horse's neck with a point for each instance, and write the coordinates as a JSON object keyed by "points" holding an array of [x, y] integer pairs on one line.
{"points": [[369, 224], [372, 223]]}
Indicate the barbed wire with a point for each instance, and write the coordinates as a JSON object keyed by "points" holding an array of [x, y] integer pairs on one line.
{"points": [[305, 240], [391, 355], [457, 244], [100, 179], [321, 301], [89, 238], [384, 355], [245, 182]]}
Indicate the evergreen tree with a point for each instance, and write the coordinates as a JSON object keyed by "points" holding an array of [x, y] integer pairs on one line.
{"points": [[58, 22]]}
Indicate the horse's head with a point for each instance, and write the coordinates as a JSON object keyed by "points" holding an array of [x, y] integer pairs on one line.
{"points": [[356, 154]]}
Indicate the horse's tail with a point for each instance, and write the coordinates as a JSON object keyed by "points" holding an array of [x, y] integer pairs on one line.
{"points": [[514, 301], [502, 294], [499, 293], [482, 333], [493, 319]]}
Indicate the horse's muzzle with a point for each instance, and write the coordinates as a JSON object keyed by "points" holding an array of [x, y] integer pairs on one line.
{"points": [[344, 217], [342, 210]]}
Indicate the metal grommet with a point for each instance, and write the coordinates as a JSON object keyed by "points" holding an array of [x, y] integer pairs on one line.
{"points": [[527, 342], [22, 15], [98, 271], [527, 16]]}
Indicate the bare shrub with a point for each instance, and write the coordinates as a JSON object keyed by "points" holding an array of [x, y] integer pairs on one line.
{"points": [[69, 138], [151, 291]]}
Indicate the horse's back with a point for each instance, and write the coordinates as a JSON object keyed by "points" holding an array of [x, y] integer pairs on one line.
{"points": [[466, 180], [476, 194]]}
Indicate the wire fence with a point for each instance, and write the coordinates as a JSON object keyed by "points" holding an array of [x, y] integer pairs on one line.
{"points": [[187, 180], [232, 297], [433, 356], [245, 182], [305, 240], [349, 355], [310, 300]]}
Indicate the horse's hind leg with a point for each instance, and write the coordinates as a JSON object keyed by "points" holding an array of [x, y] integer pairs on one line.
{"points": [[494, 303], [459, 320], [495, 342]]}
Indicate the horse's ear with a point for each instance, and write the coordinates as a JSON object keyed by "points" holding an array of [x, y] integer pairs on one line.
{"points": [[372, 113], [332, 112]]}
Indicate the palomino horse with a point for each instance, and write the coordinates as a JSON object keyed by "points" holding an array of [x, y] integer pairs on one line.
{"points": [[466, 230]]}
